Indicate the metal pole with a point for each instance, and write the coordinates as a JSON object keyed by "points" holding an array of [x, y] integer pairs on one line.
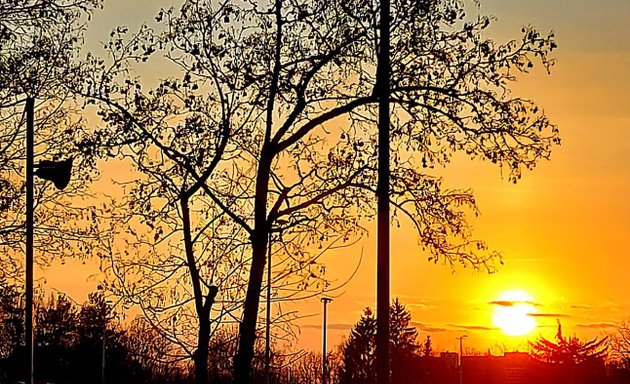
{"points": [[268, 325], [108, 307], [103, 358], [382, 192], [461, 368], [30, 123], [325, 300]]}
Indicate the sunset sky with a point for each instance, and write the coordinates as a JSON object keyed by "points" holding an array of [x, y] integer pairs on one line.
{"points": [[563, 229]]}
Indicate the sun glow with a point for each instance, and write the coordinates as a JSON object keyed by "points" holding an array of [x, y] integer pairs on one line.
{"points": [[513, 313]]}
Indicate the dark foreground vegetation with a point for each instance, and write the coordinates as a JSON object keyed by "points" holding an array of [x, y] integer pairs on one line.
{"points": [[237, 155], [88, 343]]}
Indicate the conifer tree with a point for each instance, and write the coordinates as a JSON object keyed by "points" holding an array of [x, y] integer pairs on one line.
{"points": [[569, 350], [427, 347], [358, 353]]}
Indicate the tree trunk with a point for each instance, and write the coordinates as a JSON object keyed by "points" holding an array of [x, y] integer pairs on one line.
{"points": [[203, 339], [247, 330], [201, 354], [200, 357]]}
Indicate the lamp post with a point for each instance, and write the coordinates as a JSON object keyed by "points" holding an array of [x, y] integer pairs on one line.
{"points": [[30, 122], [103, 356], [268, 314], [382, 194], [105, 320], [461, 351], [325, 301], [59, 173]]}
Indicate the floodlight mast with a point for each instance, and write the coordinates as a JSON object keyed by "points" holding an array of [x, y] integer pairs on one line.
{"points": [[382, 196], [325, 301], [59, 173], [30, 123]]}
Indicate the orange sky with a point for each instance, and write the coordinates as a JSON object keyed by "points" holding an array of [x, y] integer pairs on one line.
{"points": [[563, 229]]}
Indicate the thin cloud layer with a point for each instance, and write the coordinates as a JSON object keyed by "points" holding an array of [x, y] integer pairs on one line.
{"points": [[428, 328], [552, 315], [597, 325], [335, 326]]}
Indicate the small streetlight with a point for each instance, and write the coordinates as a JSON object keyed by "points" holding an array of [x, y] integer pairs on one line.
{"points": [[59, 173], [268, 317], [461, 351], [325, 301], [107, 305]]}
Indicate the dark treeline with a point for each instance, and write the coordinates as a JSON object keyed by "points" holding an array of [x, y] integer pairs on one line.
{"points": [[564, 359], [70, 340]]}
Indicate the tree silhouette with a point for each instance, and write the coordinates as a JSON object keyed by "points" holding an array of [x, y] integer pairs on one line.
{"points": [[569, 350], [427, 347], [619, 362], [358, 352], [69, 344], [55, 336], [11, 318], [621, 344], [39, 43], [402, 341], [292, 86]]}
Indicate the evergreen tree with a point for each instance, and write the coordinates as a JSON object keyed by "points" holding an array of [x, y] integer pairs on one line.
{"points": [[402, 341], [569, 350], [359, 352], [402, 335], [427, 347]]}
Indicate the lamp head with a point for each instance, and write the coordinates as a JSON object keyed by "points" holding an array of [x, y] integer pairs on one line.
{"points": [[56, 171]]}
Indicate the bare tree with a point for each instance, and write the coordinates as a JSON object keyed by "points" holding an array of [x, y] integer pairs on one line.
{"points": [[309, 65], [289, 87], [620, 344], [39, 43], [176, 251], [179, 256]]}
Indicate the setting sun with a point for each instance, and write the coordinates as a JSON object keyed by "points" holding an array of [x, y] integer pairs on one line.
{"points": [[333, 192], [512, 313]]}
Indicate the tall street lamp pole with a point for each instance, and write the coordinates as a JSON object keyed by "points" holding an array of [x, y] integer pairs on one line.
{"points": [[59, 173], [461, 351], [268, 324], [30, 123], [103, 356], [325, 301], [105, 320], [382, 195]]}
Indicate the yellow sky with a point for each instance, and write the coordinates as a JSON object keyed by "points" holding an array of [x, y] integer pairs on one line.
{"points": [[563, 229]]}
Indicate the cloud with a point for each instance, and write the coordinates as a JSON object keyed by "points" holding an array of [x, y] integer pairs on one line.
{"points": [[428, 328], [582, 306], [419, 302], [335, 326], [552, 315], [503, 303], [421, 306], [597, 325], [608, 306], [511, 303], [473, 327]]}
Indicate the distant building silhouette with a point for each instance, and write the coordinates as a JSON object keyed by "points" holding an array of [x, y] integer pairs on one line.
{"points": [[511, 368]]}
